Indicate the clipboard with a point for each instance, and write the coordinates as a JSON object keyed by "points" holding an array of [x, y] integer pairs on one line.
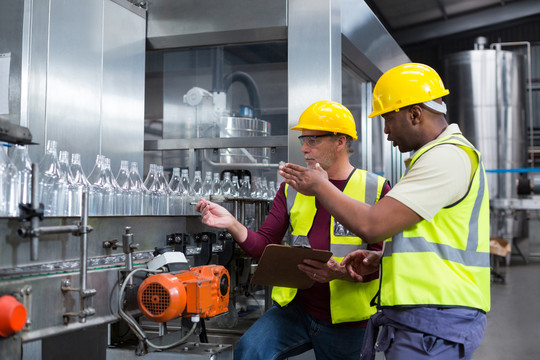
{"points": [[278, 266]]}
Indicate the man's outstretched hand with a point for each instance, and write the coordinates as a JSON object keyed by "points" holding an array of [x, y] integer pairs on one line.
{"points": [[362, 262]]}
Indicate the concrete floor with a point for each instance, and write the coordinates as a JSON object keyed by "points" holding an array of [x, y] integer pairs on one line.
{"points": [[513, 328]]}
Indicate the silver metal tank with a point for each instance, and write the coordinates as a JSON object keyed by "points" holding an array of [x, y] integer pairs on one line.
{"points": [[487, 100], [243, 127]]}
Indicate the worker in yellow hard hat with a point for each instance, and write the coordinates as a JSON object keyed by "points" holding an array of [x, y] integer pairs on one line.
{"points": [[435, 271], [330, 317]]}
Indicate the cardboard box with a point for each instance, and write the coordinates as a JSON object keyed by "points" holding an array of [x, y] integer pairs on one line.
{"points": [[498, 246]]}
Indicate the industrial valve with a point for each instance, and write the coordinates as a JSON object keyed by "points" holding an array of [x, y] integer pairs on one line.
{"points": [[201, 291]]}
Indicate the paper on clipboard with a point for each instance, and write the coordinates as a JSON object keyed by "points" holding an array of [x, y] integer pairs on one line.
{"points": [[278, 266]]}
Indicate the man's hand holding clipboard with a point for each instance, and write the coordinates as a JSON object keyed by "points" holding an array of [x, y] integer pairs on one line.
{"points": [[278, 266]]}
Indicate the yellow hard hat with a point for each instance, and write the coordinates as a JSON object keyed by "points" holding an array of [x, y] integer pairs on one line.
{"points": [[326, 115], [405, 85]]}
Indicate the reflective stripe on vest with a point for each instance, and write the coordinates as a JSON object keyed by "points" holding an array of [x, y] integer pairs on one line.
{"points": [[349, 301], [446, 261]]}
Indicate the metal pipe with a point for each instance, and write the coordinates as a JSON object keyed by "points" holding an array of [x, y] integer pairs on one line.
{"points": [[497, 47], [251, 87], [127, 242], [61, 229], [241, 165], [35, 206], [83, 298]]}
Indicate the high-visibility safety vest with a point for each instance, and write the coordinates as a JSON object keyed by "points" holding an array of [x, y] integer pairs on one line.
{"points": [[444, 262], [349, 301]]}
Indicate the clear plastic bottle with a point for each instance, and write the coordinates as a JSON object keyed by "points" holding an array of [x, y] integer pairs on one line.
{"points": [[186, 183], [196, 191], [165, 191], [245, 189], [122, 179], [153, 207], [96, 171], [236, 186], [77, 186], [138, 192], [216, 185], [187, 193], [226, 185], [207, 185], [63, 161], [175, 179], [150, 177], [21, 160], [177, 195], [95, 197], [264, 189], [271, 190], [102, 192], [9, 186], [120, 195], [196, 185], [53, 186], [112, 199], [256, 189], [76, 170]]}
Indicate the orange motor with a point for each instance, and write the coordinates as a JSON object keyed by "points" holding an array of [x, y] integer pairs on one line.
{"points": [[202, 291]]}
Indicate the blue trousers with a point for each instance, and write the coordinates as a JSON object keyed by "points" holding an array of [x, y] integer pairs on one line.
{"points": [[424, 333], [288, 331], [401, 344]]}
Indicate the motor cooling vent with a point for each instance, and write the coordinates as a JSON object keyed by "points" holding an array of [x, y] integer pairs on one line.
{"points": [[155, 298]]}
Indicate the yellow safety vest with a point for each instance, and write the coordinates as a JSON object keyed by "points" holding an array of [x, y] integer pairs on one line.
{"points": [[349, 301], [444, 262]]}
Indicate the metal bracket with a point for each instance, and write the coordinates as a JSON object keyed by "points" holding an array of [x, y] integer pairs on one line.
{"points": [[84, 294]]}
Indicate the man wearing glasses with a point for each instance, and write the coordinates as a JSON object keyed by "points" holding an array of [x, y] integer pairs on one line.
{"points": [[435, 271], [331, 316]]}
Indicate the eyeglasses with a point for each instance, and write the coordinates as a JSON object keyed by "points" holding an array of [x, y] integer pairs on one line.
{"points": [[311, 140]]}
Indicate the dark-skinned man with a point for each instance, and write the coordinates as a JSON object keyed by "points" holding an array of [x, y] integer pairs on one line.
{"points": [[435, 271]]}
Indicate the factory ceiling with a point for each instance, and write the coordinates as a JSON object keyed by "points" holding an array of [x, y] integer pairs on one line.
{"points": [[414, 21]]}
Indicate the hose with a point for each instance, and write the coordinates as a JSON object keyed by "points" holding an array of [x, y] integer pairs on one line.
{"points": [[134, 325]]}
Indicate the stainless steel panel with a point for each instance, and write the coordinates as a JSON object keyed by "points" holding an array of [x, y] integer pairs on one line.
{"points": [[122, 100], [314, 50], [374, 50], [183, 23], [73, 105], [10, 42], [49, 303], [148, 232], [37, 74], [84, 78], [487, 100]]}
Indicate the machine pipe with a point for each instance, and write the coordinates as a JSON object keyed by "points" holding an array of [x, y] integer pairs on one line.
{"points": [[35, 206], [84, 293], [251, 87]]}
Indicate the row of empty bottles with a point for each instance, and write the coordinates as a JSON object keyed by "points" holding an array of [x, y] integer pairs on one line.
{"points": [[62, 182]]}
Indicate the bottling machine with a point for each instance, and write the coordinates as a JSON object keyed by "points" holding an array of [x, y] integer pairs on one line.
{"points": [[208, 91]]}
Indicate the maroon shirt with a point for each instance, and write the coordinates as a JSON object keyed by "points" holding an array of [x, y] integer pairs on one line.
{"points": [[315, 300]]}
